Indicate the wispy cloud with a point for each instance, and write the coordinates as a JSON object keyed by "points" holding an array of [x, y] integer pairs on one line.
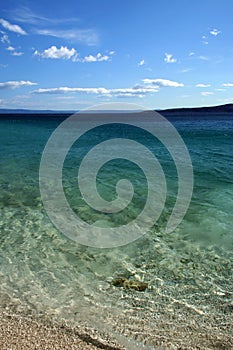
{"points": [[136, 91], [13, 51], [24, 14], [169, 58], [85, 36], [150, 86], [203, 85], [206, 93], [12, 27], [227, 84], [193, 55], [64, 89], [186, 70], [4, 38], [227, 100], [162, 83], [56, 53], [97, 58], [205, 38], [17, 53], [215, 32], [101, 91], [203, 58], [15, 84], [141, 63], [43, 25]]}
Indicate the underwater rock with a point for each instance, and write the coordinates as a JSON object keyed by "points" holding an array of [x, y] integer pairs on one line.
{"points": [[130, 284]]}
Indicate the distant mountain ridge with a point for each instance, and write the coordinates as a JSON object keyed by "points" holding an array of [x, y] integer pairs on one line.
{"points": [[215, 110], [34, 111], [221, 109]]}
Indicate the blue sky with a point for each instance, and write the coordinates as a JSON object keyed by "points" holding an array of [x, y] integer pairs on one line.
{"points": [[156, 53]]}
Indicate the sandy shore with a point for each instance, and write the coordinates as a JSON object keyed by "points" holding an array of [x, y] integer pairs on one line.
{"points": [[183, 328], [18, 333]]}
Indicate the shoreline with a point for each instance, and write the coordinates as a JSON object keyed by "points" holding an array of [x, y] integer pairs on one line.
{"points": [[225, 109], [19, 332]]}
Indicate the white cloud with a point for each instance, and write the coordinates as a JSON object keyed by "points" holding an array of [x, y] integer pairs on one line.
{"points": [[10, 48], [26, 15], [205, 38], [151, 86], [45, 26], [203, 58], [162, 83], [15, 53], [227, 100], [64, 89], [228, 84], [186, 70], [129, 94], [191, 53], [85, 36], [206, 93], [12, 27], [55, 53], [66, 54], [97, 58], [15, 84], [203, 85], [141, 63], [4, 38], [137, 91], [169, 58], [215, 32]]}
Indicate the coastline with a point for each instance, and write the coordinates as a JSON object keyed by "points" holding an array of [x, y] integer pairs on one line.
{"points": [[28, 330], [19, 332], [226, 109]]}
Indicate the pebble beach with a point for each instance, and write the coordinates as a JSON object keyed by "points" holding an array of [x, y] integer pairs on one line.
{"points": [[18, 332]]}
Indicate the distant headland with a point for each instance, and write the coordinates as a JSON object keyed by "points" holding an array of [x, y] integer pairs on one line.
{"points": [[214, 110], [226, 109]]}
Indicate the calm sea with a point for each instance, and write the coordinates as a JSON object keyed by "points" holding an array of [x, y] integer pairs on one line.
{"points": [[189, 271]]}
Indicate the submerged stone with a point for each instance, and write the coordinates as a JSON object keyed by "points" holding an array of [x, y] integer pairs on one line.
{"points": [[130, 284]]}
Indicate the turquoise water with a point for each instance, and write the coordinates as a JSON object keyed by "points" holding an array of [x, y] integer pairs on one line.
{"points": [[189, 272]]}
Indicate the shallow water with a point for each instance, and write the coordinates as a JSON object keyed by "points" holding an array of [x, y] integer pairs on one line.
{"points": [[189, 272]]}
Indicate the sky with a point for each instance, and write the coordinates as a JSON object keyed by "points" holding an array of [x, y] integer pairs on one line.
{"points": [[70, 55]]}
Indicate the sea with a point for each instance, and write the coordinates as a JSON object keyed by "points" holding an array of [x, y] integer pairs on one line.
{"points": [[188, 272]]}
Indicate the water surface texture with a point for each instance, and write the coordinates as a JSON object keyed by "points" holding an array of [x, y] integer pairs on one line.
{"points": [[189, 271]]}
